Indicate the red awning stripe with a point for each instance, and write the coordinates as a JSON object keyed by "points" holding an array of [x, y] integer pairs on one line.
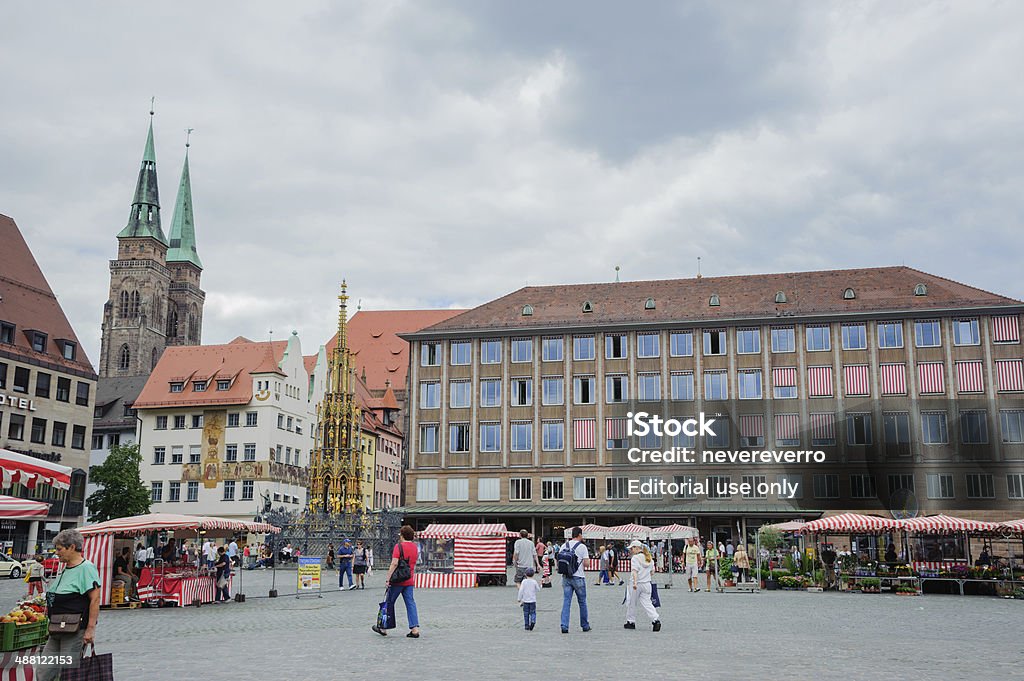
{"points": [[616, 428], [752, 425], [849, 523], [823, 426], [942, 524], [30, 471], [480, 554], [931, 378], [855, 376], [1010, 375], [583, 433], [894, 379], [13, 508], [99, 549], [819, 381], [1006, 329], [787, 426], [784, 377], [970, 377], [449, 530]]}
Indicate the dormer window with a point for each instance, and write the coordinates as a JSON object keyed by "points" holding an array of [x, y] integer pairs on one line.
{"points": [[177, 387], [199, 386], [780, 297], [715, 301], [223, 384], [649, 304], [68, 349], [849, 294], [7, 333], [588, 307], [38, 340], [920, 290], [527, 310]]}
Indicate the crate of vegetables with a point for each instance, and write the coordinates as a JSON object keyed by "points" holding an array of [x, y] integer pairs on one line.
{"points": [[24, 627]]}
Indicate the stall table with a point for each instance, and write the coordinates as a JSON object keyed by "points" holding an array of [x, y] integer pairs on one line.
{"points": [[180, 588]]}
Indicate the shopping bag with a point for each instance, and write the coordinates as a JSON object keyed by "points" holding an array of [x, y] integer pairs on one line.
{"points": [[386, 613], [655, 598], [92, 668]]}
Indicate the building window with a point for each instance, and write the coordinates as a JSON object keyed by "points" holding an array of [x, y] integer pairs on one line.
{"points": [[582, 348], [156, 493], [927, 334], [426, 489], [965, 332], [522, 350], [553, 436], [229, 490], [819, 339], [749, 384], [173, 491], [826, 486], [897, 427], [520, 489], [933, 428], [177, 387], [973, 428], [1015, 486], [21, 377], [488, 489], [855, 337], [898, 481], [179, 421], [1011, 422], [42, 384], [490, 392], [714, 342], [720, 439], [460, 393], [552, 489], [194, 452], [648, 387], [161, 423], [430, 354], [522, 392], [583, 390], [428, 438], [458, 489], [616, 488], [249, 451], [940, 486], [430, 395], [755, 486], [199, 386], [177, 453], [890, 334], [192, 491], [197, 421], [231, 452], [681, 344], [490, 352], [684, 486], [718, 487], [584, 489], [650, 487], [551, 349], [490, 437], [862, 486], [748, 341], [522, 436], [980, 486], [616, 388], [39, 342], [553, 388], [784, 383], [716, 385], [78, 437], [615, 346], [682, 386], [648, 345], [38, 434], [858, 429], [461, 352], [783, 339], [63, 389], [97, 441], [159, 455], [458, 437], [7, 333]]}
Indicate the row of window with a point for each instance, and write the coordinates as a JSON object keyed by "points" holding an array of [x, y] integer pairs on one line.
{"points": [[180, 421], [823, 486], [383, 500], [817, 338], [19, 426], [974, 430], [289, 423], [38, 340], [21, 381], [283, 454]]}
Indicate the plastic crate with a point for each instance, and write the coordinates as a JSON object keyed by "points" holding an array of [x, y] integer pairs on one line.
{"points": [[18, 636]]}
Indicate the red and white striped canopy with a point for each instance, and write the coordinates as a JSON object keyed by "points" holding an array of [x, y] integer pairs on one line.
{"points": [[443, 531], [849, 522], [628, 531], [590, 531], [13, 508], [674, 531], [791, 526], [482, 555], [1012, 526], [30, 471], [944, 524], [155, 522]]}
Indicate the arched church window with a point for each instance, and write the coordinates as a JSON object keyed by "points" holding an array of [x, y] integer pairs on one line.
{"points": [[193, 324], [125, 358], [172, 321], [122, 307], [135, 305], [153, 358]]}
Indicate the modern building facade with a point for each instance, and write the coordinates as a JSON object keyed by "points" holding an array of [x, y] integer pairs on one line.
{"points": [[47, 388], [910, 384]]}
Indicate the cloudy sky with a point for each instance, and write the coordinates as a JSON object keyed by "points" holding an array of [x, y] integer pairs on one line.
{"points": [[440, 154]]}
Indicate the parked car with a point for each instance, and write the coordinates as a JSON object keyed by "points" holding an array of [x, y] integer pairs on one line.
{"points": [[50, 564], [10, 567]]}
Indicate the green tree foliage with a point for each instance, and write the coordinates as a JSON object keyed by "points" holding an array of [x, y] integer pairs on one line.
{"points": [[121, 493]]}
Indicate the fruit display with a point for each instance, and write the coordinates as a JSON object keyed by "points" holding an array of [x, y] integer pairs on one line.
{"points": [[25, 625], [25, 613]]}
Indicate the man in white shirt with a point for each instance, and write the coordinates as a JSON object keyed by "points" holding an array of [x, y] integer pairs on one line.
{"points": [[233, 552], [577, 584], [209, 553], [524, 556]]}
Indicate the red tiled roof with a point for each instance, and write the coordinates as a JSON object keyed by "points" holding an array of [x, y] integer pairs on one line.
{"points": [[877, 290], [236, 360], [388, 400], [376, 347], [27, 301], [310, 362]]}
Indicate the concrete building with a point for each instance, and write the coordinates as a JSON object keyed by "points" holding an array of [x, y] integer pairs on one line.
{"points": [[47, 387], [909, 383]]}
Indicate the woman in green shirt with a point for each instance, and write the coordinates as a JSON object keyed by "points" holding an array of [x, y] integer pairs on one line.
{"points": [[711, 562], [75, 591]]}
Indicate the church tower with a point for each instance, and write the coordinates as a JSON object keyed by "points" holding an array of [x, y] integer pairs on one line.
{"points": [[154, 283]]}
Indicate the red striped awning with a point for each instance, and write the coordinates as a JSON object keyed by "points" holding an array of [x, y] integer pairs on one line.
{"points": [[855, 377], [450, 531], [583, 433], [616, 428], [1010, 375], [484, 555], [1013, 526], [30, 471], [823, 426], [674, 531], [1006, 329], [970, 377], [787, 426], [784, 377], [154, 522], [894, 379], [99, 549], [590, 531], [944, 524], [931, 378], [629, 531], [752, 425], [819, 381], [13, 508], [853, 523]]}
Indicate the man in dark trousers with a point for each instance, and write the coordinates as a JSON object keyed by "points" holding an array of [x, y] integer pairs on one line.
{"points": [[345, 554], [123, 573]]}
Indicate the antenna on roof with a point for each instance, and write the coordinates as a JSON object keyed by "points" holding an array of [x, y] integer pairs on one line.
{"points": [[698, 267], [616, 274]]}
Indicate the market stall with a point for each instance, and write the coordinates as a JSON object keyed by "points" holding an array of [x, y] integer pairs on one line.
{"points": [[666, 534], [844, 524], [30, 471], [958, 571], [180, 585], [462, 555]]}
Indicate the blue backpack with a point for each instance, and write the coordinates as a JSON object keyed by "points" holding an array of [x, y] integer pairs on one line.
{"points": [[568, 561]]}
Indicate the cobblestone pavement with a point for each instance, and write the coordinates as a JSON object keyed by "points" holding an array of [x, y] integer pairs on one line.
{"points": [[478, 633]]}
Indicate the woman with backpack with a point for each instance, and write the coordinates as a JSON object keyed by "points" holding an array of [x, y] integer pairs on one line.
{"points": [[401, 579], [361, 562]]}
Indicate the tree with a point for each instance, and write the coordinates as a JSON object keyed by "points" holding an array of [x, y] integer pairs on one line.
{"points": [[121, 492]]}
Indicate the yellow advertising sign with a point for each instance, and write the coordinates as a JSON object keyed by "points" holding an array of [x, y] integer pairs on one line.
{"points": [[309, 573]]}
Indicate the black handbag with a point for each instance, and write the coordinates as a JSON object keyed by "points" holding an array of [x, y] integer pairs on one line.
{"points": [[402, 572], [65, 624]]}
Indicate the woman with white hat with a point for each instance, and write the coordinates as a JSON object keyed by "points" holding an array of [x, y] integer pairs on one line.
{"points": [[642, 568]]}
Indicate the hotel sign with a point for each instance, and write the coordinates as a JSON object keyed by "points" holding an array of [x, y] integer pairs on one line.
{"points": [[17, 402]]}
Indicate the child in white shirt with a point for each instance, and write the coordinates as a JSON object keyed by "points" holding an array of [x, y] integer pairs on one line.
{"points": [[527, 598]]}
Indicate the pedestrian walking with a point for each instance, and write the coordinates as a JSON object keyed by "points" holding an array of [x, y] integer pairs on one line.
{"points": [[233, 552], [523, 556], [35, 576], [362, 563], [711, 556], [345, 565], [222, 565], [613, 566], [602, 566], [741, 562], [403, 556], [571, 560], [527, 599], [641, 570], [330, 556], [692, 559]]}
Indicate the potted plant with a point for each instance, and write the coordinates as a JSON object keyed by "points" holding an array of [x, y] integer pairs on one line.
{"points": [[727, 571], [906, 590], [871, 585], [770, 539]]}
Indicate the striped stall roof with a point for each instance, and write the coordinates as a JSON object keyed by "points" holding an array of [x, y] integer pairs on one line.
{"points": [[944, 524], [970, 377], [787, 426], [894, 379], [1006, 329], [1010, 375], [429, 580], [823, 426], [674, 531], [590, 531], [154, 522], [752, 425], [13, 508], [819, 381], [583, 433], [616, 428], [784, 377], [99, 549], [629, 531], [449, 531], [855, 377], [30, 471], [482, 555], [849, 522], [931, 378], [1013, 526]]}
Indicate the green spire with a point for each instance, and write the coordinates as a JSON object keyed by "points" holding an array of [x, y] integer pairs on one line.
{"points": [[183, 226], [144, 219]]}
